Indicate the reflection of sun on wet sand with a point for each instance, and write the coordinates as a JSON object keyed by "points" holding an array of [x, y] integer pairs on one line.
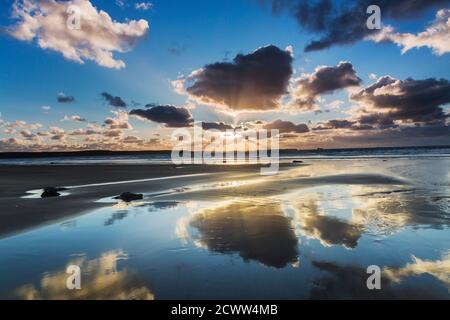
{"points": [[256, 230], [384, 210], [276, 185], [100, 281]]}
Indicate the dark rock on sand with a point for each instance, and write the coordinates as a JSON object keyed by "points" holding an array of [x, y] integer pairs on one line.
{"points": [[297, 161], [129, 196], [51, 192]]}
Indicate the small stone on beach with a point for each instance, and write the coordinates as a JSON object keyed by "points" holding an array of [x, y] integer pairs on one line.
{"points": [[50, 192], [129, 196]]}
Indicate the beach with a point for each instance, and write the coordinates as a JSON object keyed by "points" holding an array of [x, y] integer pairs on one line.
{"points": [[308, 232], [89, 183], [18, 214]]}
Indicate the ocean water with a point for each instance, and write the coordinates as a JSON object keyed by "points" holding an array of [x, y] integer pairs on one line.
{"points": [[309, 233]]}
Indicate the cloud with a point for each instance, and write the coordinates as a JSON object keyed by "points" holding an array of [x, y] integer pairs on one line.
{"points": [[254, 81], [120, 3], [98, 37], [216, 126], [336, 104], [19, 124], [13, 144], [62, 98], [27, 134], [171, 116], [287, 127], [112, 133], [435, 37], [335, 124], [380, 119], [143, 5], [341, 24], [114, 101], [74, 118], [83, 132], [58, 137], [119, 122], [56, 130], [46, 108], [132, 139], [323, 80], [405, 100], [419, 135]]}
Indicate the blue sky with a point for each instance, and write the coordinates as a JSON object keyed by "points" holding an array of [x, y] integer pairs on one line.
{"points": [[184, 36]]}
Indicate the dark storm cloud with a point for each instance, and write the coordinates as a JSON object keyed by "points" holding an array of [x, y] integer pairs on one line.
{"points": [[171, 116], [62, 98], [380, 119], [255, 81], [216, 126], [345, 22], [340, 124], [427, 131], [410, 135], [287, 127], [114, 101], [323, 80], [336, 124], [408, 100]]}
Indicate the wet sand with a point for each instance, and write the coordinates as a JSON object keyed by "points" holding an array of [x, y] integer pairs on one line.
{"points": [[308, 232], [89, 183], [18, 214]]}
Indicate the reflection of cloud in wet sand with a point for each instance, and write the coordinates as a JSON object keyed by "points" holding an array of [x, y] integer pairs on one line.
{"points": [[124, 209], [383, 214], [349, 282], [439, 269], [100, 281], [329, 230], [256, 230]]}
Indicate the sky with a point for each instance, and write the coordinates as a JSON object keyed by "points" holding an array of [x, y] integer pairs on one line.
{"points": [[124, 74]]}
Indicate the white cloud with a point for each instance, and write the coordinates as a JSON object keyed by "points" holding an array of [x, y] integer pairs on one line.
{"points": [[336, 104], [120, 3], [435, 37], [97, 38], [74, 118], [120, 122], [143, 6], [56, 130]]}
